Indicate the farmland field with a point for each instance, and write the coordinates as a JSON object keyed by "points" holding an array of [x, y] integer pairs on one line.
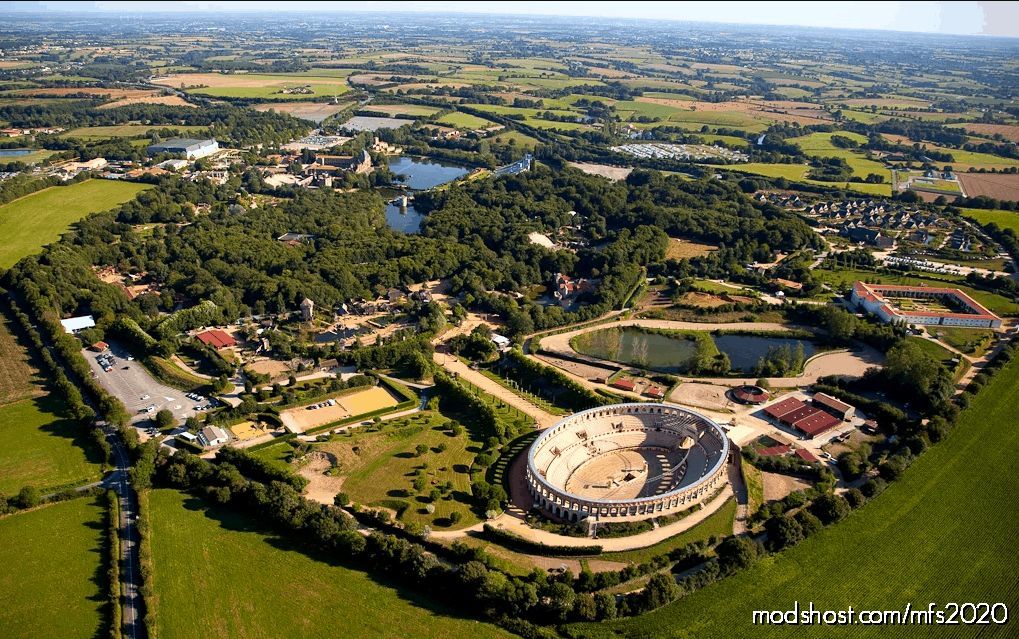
{"points": [[19, 379], [464, 121], [31, 222], [314, 111], [941, 533], [44, 447], [214, 571], [798, 173], [51, 558], [127, 131], [999, 186], [410, 110], [267, 86]]}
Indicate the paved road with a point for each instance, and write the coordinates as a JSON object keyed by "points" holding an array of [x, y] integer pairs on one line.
{"points": [[130, 561]]}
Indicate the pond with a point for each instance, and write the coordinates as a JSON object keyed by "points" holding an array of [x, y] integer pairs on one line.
{"points": [[664, 353], [417, 174], [745, 351], [678, 353], [14, 153]]}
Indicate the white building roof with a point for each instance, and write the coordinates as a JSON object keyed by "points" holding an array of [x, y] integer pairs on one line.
{"points": [[75, 324]]}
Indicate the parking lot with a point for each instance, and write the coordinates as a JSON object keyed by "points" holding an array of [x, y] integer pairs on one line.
{"points": [[132, 384]]}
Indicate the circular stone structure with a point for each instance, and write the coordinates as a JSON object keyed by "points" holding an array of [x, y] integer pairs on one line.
{"points": [[750, 394], [626, 462]]}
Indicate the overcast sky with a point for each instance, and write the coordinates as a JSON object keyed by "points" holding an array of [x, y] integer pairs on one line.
{"points": [[968, 18]]}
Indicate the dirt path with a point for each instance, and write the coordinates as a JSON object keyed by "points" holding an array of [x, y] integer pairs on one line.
{"points": [[321, 487], [453, 365]]}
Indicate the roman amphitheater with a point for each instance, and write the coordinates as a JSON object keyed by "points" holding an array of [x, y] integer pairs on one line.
{"points": [[626, 462]]}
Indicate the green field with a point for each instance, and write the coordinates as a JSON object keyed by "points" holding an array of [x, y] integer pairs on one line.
{"points": [[1004, 219], [44, 447], [126, 131], [942, 533], [215, 574], [820, 145], [798, 173], [379, 467], [843, 279], [464, 121], [51, 558], [29, 223], [513, 138]]}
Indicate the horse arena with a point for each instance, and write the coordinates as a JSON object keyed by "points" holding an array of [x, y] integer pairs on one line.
{"points": [[626, 462]]}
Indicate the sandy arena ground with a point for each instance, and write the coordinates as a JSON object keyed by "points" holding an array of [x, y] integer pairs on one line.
{"points": [[270, 367], [300, 419], [709, 396], [248, 430]]}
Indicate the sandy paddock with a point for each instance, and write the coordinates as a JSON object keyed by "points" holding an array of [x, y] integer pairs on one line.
{"points": [[709, 396], [248, 430], [270, 367], [301, 419]]}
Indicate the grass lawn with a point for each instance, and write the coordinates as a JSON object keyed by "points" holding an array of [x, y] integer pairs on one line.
{"points": [[717, 524], [52, 557], [126, 131], [843, 279], [44, 447], [943, 532], [755, 486], [972, 341], [464, 121], [216, 574], [31, 222], [1004, 219], [379, 468]]}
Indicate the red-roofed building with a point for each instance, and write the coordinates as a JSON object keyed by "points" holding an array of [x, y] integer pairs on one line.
{"points": [[774, 451], [99, 347], [216, 339], [624, 384], [784, 407], [834, 406], [878, 300], [809, 420], [807, 456], [654, 392]]}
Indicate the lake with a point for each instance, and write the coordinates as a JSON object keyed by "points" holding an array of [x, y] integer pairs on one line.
{"points": [[677, 353], [745, 351], [418, 174], [14, 153]]}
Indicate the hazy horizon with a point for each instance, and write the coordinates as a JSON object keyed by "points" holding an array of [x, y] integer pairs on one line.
{"points": [[944, 18]]}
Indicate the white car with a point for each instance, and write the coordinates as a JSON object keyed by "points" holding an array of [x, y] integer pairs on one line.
{"points": [[145, 396]]}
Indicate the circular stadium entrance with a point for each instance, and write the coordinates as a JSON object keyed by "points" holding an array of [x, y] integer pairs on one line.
{"points": [[626, 462]]}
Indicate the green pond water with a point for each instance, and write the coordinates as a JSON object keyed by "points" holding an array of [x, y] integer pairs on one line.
{"points": [[677, 353]]}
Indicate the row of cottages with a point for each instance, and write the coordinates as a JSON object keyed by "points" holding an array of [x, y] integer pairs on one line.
{"points": [[784, 201]]}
